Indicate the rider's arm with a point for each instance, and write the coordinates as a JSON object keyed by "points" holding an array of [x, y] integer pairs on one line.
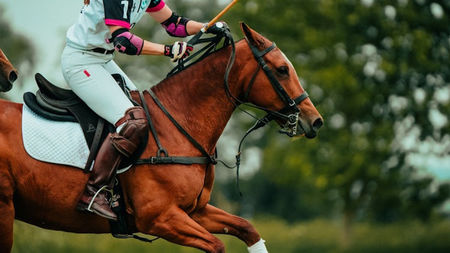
{"points": [[128, 43], [148, 48], [175, 25], [117, 18]]}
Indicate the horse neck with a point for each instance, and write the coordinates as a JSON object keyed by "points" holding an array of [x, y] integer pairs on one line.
{"points": [[197, 99]]}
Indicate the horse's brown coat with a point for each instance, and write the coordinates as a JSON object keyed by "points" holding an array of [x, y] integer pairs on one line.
{"points": [[170, 201]]}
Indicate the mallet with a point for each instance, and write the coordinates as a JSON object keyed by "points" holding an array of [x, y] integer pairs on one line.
{"points": [[212, 22]]}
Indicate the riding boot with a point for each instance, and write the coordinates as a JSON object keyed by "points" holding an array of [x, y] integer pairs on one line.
{"points": [[116, 146]]}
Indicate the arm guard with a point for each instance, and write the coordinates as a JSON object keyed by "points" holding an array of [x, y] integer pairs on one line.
{"points": [[175, 28], [126, 42]]}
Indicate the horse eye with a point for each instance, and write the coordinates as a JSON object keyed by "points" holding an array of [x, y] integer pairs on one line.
{"points": [[283, 70]]}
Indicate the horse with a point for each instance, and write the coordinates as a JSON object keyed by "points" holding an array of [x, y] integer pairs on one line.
{"points": [[8, 74], [169, 201]]}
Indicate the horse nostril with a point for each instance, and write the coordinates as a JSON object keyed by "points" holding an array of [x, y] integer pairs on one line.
{"points": [[318, 123], [12, 76]]}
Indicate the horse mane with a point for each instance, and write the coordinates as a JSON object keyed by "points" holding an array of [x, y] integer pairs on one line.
{"points": [[204, 60]]}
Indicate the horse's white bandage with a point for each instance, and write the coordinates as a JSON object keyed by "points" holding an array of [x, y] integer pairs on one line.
{"points": [[258, 247]]}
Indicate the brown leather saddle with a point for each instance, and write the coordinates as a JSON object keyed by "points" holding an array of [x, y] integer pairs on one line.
{"points": [[54, 103]]}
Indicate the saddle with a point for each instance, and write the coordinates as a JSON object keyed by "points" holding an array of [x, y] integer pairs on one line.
{"points": [[57, 104]]}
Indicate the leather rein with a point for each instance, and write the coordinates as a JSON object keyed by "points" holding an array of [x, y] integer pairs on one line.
{"points": [[290, 113]]}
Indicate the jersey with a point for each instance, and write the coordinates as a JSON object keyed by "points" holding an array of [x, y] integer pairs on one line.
{"points": [[91, 29]]}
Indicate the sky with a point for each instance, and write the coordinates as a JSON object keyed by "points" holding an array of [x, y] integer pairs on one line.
{"points": [[45, 23]]}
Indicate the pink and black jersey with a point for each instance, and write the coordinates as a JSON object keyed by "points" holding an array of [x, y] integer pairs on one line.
{"points": [[91, 30]]}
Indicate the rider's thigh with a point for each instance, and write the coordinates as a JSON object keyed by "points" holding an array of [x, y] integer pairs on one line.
{"points": [[98, 89], [113, 68]]}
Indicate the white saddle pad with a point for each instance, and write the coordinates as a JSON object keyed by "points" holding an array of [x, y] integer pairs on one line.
{"points": [[53, 141]]}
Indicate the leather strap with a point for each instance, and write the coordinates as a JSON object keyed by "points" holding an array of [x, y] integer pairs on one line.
{"points": [[102, 50], [95, 144], [181, 129], [166, 159], [161, 149], [174, 160]]}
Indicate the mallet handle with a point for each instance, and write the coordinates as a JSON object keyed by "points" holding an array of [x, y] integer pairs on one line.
{"points": [[214, 20]]}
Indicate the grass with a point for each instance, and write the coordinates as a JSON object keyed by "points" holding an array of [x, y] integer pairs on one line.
{"points": [[314, 236]]}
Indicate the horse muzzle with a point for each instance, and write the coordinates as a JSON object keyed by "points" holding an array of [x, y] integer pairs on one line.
{"points": [[304, 128], [309, 128], [6, 83]]}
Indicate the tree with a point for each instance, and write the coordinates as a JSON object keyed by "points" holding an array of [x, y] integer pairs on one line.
{"points": [[17, 47], [375, 69]]}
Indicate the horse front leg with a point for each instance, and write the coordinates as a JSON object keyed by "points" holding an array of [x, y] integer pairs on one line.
{"points": [[6, 226], [218, 221], [177, 227], [6, 212]]}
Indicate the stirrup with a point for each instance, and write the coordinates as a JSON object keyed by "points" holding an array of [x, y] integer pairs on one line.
{"points": [[105, 187]]}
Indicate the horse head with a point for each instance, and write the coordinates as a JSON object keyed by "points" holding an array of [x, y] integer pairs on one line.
{"points": [[8, 74], [272, 84]]}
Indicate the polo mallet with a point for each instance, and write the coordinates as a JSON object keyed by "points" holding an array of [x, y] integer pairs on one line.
{"points": [[212, 22]]}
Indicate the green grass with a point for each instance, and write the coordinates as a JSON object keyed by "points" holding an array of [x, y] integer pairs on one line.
{"points": [[314, 236]]}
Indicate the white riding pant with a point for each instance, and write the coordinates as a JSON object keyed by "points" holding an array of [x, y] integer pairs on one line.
{"points": [[89, 75]]}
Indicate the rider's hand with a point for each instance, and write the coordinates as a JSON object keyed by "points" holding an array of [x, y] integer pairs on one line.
{"points": [[218, 28], [179, 50]]}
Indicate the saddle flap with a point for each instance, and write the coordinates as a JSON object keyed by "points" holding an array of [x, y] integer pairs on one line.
{"points": [[51, 90]]}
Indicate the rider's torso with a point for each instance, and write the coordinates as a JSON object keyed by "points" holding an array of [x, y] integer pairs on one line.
{"points": [[91, 31]]}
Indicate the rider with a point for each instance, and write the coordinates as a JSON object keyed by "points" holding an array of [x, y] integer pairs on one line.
{"points": [[87, 64]]}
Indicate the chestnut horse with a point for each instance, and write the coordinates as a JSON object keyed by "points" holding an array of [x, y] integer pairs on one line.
{"points": [[168, 201], [8, 74]]}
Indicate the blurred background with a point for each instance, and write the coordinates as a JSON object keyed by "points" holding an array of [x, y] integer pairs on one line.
{"points": [[376, 179]]}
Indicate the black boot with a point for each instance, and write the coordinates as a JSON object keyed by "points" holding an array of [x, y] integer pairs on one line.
{"points": [[116, 146]]}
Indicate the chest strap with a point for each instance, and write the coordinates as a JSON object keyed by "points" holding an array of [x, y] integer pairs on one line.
{"points": [[166, 159]]}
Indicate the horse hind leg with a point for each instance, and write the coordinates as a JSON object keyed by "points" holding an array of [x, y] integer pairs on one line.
{"points": [[218, 221], [177, 227]]}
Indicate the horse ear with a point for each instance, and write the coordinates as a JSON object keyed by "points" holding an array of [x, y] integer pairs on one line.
{"points": [[253, 37]]}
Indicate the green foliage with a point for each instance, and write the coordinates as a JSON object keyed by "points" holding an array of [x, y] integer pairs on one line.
{"points": [[363, 62]]}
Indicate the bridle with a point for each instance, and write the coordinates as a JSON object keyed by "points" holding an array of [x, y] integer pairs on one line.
{"points": [[290, 113]]}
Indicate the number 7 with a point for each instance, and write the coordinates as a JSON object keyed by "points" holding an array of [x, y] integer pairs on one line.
{"points": [[125, 8]]}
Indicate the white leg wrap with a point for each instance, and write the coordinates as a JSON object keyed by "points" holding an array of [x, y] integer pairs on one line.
{"points": [[258, 247]]}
